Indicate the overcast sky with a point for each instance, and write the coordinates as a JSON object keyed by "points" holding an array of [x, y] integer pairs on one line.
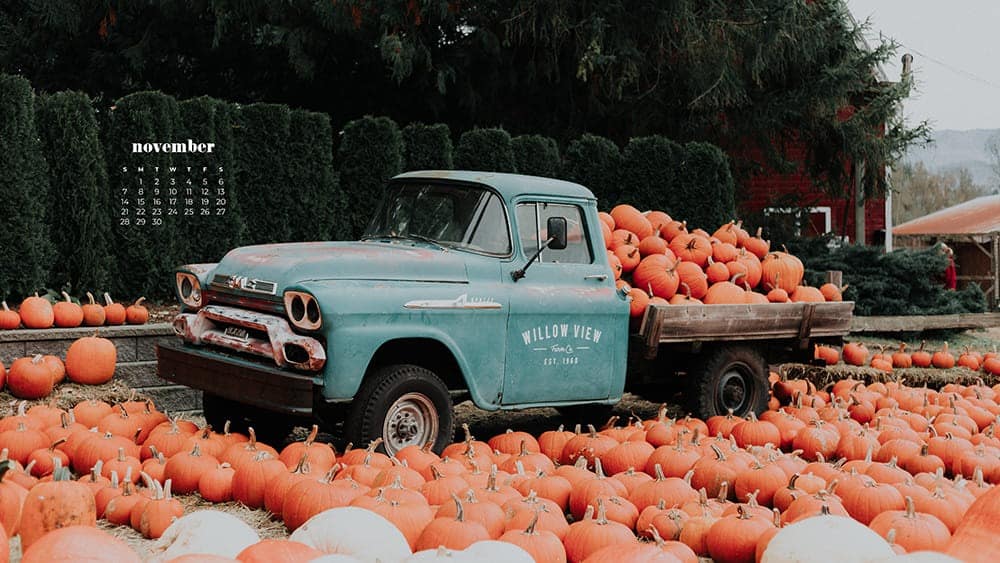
{"points": [[956, 57]]}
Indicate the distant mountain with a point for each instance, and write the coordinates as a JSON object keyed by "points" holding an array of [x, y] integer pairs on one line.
{"points": [[952, 150]]}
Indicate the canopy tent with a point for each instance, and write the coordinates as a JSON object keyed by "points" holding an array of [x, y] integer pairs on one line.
{"points": [[972, 229]]}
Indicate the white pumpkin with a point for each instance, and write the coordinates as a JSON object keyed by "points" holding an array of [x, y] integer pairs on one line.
{"points": [[439, 554], [354, 531], [207, 532], [826, 539], [493, 551], [336, 558]]}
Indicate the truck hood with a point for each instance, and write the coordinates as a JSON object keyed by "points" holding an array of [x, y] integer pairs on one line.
{"points": [[292, 263]]}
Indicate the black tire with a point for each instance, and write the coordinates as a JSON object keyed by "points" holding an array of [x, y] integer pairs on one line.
{"points": [[403, 404], [729, 377], [270, 427], [594, 413]]}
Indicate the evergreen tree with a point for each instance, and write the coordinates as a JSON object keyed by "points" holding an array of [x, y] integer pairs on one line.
{"points": [[80, 211], [596, 162], [147, 250], [25, 248], [704, 187], [536, 155], [209, 237], [370, 152], [315, 207], [427, 147], [489, 150], [649, 174], [261, 172]]}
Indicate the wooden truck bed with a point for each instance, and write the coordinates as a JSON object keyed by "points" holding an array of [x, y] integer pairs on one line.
{"points": [[705, 323]]}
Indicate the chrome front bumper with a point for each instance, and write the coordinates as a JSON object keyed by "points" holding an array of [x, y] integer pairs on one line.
{"points": [[251, 332]]}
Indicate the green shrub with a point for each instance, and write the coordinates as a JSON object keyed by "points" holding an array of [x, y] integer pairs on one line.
{"points": [[649, 175], [902, 282], [427, 147], [537, 155], [261, 172], [596, 162], [209, 237], [146, 252], [371, 152], [80, 209], [489, 150], [705, 195], [25, 248], [313, 210]]}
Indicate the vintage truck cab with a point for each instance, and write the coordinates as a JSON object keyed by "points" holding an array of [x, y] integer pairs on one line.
{"points": [[490, 286]]}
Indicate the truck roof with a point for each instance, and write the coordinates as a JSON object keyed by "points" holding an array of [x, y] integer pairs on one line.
{"points": [[508, 185]]}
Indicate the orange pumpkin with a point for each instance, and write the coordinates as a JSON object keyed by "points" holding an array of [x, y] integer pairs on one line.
{"points": [[137, 314], [114, 313], [56, 504], [67, 314], [36, 312], [93, 313], [943, 359], [30, 378], [8, 319], [91, 360], [80, 543]]}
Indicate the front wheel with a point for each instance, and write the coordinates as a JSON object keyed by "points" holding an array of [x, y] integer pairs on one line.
{"points": [[404, 405], [729, 379]]}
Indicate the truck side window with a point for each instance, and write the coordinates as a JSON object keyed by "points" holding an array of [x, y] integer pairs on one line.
{"points": [[531, 220]]}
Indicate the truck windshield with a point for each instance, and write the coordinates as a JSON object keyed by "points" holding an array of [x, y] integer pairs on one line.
{"points": [[458, 216]]}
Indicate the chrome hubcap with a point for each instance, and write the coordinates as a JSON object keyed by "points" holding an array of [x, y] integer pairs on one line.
{"points": [[411, 420]]}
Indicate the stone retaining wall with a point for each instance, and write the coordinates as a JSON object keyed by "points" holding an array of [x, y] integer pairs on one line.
{"points": [[136, 357]]}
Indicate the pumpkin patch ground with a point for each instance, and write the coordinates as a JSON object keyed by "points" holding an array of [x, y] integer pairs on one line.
{"points": [[922, 455]]}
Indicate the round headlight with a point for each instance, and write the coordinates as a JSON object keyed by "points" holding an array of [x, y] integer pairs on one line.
{"points": [[312, 311], [189, 289], [303, 310], [298, 309]]}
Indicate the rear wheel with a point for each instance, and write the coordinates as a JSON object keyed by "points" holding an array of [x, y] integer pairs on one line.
{"points": [[730, 378], [404, 405]]}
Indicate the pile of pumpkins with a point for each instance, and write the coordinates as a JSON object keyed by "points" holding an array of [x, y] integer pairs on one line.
{"points": [[90, 360], [659, 261], [884, 468], [38, 312], [857, 354]]}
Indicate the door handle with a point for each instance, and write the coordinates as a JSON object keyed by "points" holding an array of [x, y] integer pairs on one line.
{"points": [[598, 277]]}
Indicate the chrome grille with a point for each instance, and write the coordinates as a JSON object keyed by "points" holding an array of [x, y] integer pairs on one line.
{"points": [[244, 283]]}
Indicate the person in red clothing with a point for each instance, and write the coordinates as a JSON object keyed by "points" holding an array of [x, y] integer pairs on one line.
{"points": [[950, 274]]}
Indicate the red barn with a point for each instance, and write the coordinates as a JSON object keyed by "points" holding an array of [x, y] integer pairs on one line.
{"points": [[772, 192]]}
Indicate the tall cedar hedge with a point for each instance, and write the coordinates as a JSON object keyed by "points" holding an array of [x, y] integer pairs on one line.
{"points": [[207, 238], [705, 194], [649, 175], [313, 207], [371, 152], [488, 150], [25, 248], [146, 253], [427, 147], [262, 172], [596, 162], [79, 206], [536, 155]]}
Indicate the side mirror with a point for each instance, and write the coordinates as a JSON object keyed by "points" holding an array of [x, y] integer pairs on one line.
{"points": [[556, 229]]}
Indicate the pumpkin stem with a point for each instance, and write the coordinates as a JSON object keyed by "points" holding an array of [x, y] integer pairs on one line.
{"points": [[312, 435], [602, 513], [530, 530], [459, 511]]}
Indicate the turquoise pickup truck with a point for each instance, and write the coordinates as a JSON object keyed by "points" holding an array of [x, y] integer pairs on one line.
{"points": [[466, 285]]}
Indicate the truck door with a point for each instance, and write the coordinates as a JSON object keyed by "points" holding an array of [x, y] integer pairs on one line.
{"points": [[566, 324]]}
